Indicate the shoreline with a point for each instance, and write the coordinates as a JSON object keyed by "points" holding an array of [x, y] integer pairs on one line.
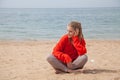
{"points": [[59, 39], [45, 42]]}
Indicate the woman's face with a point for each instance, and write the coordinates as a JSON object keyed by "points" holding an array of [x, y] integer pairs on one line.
{"points": [[70, 31]]}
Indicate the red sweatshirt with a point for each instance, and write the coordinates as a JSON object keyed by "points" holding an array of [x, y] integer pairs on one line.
{"points": [[67, 51]]}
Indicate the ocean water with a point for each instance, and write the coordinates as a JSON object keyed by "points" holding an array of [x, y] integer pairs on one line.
{"points": [[47, 24]]}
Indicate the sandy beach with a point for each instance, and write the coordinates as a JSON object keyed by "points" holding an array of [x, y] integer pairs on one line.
{"points": [[26, 60]]}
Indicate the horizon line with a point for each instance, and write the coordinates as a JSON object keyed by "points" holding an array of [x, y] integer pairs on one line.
{"points": [[52, 7]]}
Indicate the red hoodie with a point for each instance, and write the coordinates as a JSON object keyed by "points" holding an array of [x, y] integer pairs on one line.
{"points": [[67, 51]]}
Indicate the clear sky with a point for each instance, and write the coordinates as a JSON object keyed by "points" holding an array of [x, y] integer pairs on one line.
{"points": [[58, 3]]}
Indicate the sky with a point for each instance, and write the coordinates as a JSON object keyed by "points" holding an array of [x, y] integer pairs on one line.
{"points": [[58, 3]]}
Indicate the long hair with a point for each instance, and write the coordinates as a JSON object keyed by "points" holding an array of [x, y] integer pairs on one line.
{"points": [[77, 25]]}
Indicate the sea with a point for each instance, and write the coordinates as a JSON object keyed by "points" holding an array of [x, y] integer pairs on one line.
{"points": [[51, 23]]}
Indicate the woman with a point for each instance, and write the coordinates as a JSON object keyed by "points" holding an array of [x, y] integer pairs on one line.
{"points": [[69, 53]]}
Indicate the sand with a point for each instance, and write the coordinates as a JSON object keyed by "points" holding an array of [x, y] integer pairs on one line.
{"points": [[26, 60]]}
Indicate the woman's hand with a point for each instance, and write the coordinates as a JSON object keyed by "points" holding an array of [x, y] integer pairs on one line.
{"points": [[69, 65], [76, 32]]}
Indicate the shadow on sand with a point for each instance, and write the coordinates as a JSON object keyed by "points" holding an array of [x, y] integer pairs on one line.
{"points": [[97, 71]]}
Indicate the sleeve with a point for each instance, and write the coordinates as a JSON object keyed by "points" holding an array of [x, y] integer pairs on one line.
{"points": [[80, 45], [58, 51]]}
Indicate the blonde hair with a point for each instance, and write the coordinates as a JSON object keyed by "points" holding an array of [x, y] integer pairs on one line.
{"points": [[76, 25]]}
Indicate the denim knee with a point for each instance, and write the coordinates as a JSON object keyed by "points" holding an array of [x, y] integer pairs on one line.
{"points": [[50, 58]]}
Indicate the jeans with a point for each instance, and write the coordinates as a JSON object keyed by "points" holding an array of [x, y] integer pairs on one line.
{"points": [[77, 63]]}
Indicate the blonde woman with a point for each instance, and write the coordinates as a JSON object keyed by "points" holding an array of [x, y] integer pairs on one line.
{"points": [[69, 53]]}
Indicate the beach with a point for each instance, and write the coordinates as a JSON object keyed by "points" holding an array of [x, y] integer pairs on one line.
{"points": [[26, 60]]}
